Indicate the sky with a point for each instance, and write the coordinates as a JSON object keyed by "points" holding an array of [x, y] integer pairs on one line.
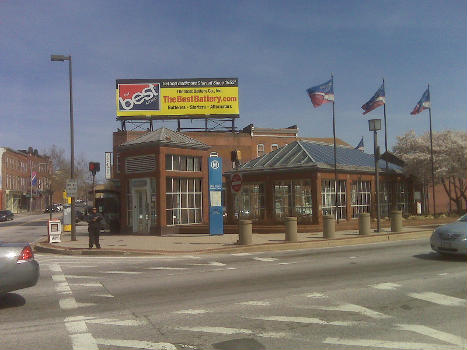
{"points": [[277, 49]]}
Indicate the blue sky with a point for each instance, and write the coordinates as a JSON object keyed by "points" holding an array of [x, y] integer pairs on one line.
{"points": [[277, 49]]}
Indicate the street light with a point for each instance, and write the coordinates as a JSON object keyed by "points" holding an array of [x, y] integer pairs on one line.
{"points": [[62, 58], [375, 125]]}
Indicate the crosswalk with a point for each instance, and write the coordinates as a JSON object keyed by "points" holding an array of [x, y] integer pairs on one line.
{"points": [[301, 321]]}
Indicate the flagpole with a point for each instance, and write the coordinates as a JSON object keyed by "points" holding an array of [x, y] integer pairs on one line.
{"points": [[432, 161], [385, 126], [335, 152]]}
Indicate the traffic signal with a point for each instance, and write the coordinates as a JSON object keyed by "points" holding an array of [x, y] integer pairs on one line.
{"points": [[94, 167]]}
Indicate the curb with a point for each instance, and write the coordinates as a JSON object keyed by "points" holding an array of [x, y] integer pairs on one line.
{"points": [[44, 247]]}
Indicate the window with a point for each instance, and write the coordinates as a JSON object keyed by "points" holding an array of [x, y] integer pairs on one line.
{"points": [[274, 147], [183, 201], [182, 163], [385, 198], [402, 197], [293, 198], [361, 197], [260, 150], [303, 201], [328, 197], [249, 203]]}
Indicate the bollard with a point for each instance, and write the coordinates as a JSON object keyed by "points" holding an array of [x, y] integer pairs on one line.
{"points": [[245, 236], [364, 224], [291, 229], [329, 227], [396, 221]]}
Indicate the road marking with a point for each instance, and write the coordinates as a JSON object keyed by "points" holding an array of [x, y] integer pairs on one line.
{"points": [[191, 311], [123, 272], [433, 333], [86, 284], [230, 331], [71, 303], [287, 263], [241, 254], [439, 299], [83, 277], [136, 344], [443, 274], [385, 344], [316, 295], [385, 286], [308, 320], [103, 295], [62, 287], [353, 308], [58, 278], [211, 263], [83, 341], [55, 268], [256, 303], [166, 268], [265, 259], [116, 322]]}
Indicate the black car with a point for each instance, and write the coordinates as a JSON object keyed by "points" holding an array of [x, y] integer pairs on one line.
{"points": [[6, 215]]}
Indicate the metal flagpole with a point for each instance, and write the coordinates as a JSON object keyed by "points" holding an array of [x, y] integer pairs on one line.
{"points": [[432, 161], [335, 152], [385, 126]]}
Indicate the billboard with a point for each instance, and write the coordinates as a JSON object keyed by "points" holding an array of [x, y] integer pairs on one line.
{"points": [[174, 98]]}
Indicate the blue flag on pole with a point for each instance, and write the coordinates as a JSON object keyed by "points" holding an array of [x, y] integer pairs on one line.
{"points": [[423, 103]]}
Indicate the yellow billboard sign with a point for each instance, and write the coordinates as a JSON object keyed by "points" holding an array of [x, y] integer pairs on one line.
{"points": [[163, 98]]}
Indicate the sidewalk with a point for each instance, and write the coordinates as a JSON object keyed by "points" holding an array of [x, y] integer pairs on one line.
{"points": [[202, 243]]}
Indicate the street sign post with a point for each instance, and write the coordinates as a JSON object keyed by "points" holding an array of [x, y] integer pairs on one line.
{"points": [[71, 187]]}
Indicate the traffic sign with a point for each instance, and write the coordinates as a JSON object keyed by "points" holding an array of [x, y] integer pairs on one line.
{"points": [[236, 182], [71, 187]]}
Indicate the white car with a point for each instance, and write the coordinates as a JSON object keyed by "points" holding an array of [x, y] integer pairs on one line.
{"points": [[451, 238]]}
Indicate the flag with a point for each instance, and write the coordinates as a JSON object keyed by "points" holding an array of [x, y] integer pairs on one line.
{"points": [[360, 146], [378, 99], [423, 104], [34, 178], [321, 94]]}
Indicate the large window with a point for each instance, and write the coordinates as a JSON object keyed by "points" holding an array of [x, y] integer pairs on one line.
{"points": [[293, 198], [183, 201], [402, 197], [385, 198], [328, 197], [361, 197], [249, 203], [182, 163]]}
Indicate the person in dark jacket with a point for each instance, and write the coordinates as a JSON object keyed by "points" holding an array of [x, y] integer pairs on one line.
{"points": [[94, 228]]}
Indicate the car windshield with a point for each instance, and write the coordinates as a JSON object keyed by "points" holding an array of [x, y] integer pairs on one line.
{"points": [[2, 212], [463, 218]]}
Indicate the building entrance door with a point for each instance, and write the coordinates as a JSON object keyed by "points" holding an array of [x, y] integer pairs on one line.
{"points": [[141, 206]]}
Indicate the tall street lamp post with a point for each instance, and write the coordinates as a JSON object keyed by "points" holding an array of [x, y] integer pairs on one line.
{"points": [[62, 58], [375, 125]]}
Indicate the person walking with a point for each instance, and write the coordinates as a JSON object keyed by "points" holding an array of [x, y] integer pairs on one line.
{"points": [[94, 228]]}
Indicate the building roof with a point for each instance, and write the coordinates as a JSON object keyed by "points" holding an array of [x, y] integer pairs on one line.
{"points": [[165, 137], [312, 154]]}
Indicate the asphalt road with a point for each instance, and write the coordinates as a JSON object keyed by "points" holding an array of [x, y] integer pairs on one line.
{"points": [[396, 295], [25, 228]]}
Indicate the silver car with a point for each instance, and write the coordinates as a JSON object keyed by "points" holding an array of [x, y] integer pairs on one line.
{"points": [[451, 238], [18, 269]]}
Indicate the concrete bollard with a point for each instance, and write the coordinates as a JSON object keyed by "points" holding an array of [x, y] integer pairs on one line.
{"points": [[329, 227], [364, 224], [291, 229], [245, 236], [396, 221]]}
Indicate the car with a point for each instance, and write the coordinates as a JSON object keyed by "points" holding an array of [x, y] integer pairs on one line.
{"points": [[6, 215], [451, 238], [18, 268]]}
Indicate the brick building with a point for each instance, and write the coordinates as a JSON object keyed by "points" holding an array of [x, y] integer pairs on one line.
{"points": [[164, 182], [17, 170]]}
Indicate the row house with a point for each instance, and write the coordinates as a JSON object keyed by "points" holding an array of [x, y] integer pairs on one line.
{"points": [[25, 178]]}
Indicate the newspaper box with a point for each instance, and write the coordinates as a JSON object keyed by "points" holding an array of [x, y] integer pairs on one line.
{"points": [[55, 231]]}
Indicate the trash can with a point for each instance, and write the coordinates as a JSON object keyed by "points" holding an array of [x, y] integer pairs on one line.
{"points": [[291, 229], [364, 224], [245, 232], [396, 221], [329, 227]]}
